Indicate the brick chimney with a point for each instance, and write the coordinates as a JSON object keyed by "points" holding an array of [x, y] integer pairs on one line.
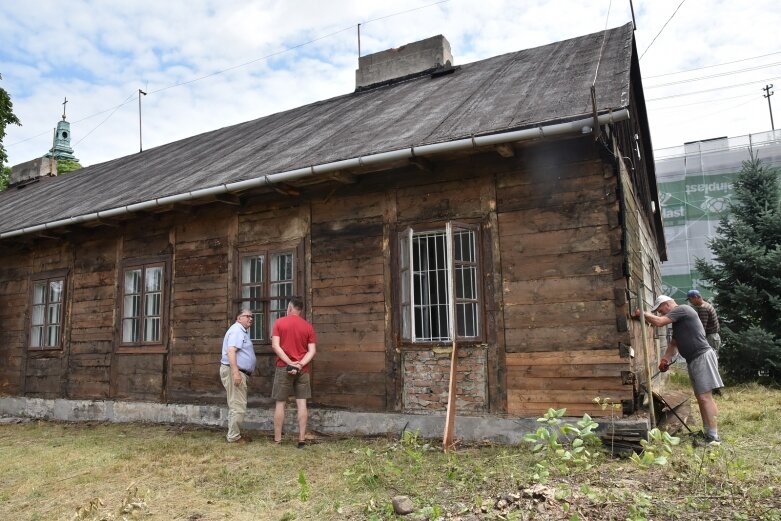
{"points": [[408, 60]]}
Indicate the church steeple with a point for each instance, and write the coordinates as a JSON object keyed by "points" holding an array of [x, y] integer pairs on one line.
{"points": [[61, 148]]}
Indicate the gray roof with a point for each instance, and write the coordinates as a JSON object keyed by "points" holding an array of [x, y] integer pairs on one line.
{"points": [[513, 91]]}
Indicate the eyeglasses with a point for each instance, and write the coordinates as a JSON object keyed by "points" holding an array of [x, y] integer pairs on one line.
{"points": [[246, 316]]}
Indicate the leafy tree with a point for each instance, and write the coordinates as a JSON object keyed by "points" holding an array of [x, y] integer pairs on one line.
{"points": [[67, 165], [746, 276], [7, 117], [5, 175]]}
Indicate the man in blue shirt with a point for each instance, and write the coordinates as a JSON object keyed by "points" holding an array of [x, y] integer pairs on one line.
{"points": [[237, 364]]}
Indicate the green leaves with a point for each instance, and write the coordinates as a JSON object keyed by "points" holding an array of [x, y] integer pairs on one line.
{"points": [[656, 449], [563, 446]]}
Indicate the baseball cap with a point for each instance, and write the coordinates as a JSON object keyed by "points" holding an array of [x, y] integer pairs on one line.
{"points": [[693, 293], [661, 299]]}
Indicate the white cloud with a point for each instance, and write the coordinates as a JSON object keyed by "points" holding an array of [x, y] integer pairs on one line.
{"points": [[99, 53]]}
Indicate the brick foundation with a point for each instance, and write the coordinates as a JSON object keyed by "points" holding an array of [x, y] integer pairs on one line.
{"points": [[426, 374]]}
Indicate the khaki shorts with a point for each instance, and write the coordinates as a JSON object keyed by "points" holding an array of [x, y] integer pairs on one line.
{"points": [[285, 384]]}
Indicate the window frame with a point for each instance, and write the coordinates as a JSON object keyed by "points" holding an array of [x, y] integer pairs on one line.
{"points": [[404, 299], [47, 276], [265, 298], [142, 346]]}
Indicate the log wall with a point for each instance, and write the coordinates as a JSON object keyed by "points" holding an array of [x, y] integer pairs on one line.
{"points": [[553, 269]]}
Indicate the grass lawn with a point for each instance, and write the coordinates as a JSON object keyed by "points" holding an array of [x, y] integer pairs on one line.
{"points": [[53, 471]]}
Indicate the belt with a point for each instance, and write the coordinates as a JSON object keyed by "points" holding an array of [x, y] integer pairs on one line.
{"points": [[248, 373]]}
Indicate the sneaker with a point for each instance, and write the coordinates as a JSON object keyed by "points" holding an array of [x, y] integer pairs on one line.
{"points": [[243, 439], [301, 444]]}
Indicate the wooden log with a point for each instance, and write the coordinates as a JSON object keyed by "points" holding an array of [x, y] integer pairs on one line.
{"points": [[601, 356]]}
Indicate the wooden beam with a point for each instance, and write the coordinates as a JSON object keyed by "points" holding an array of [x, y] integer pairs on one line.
{"points": [[100, 222], [423, 164], [450, 416], [233, 200], [285, 189], [343, 177], [505, 150]]}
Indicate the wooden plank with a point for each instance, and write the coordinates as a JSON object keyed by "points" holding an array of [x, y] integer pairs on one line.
{"points": [[353, 402], [569, 289], [562, 338], [555, 167], [587, 238], [339, 342], [552, 218], [362, 206], [373, 279], [350, 383], [348, 329], [440, 200], [353, 318], [562, 265], [516, 372], [199, 266], [98, 279], [371, 290], [601, 356], [326, 267], [566, 396], [334, 362], [539, 410], [347, 300], [560, 314], [587, 383]]}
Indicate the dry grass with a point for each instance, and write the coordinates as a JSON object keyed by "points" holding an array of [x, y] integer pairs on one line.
{"points": [[50, 470]]}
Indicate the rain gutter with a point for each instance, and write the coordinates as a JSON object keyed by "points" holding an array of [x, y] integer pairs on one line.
{"points": [[557, 129]]}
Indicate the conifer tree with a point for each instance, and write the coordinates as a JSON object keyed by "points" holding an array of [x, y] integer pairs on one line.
{"points": [[746, 275]]}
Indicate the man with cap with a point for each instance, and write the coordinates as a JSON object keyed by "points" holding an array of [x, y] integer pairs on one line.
{"points": [[688, 339], [708, 317]]}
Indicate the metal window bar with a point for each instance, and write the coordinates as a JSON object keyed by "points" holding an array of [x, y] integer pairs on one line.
{"points": [[465, 287], [429, 284]]}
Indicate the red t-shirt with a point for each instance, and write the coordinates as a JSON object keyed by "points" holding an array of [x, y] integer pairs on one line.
{"points": [[295, 334]]}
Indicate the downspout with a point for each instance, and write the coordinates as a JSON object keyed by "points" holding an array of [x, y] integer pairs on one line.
{"points": [[557, 129]]}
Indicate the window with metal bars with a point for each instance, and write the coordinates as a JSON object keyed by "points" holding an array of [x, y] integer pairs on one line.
{"points": [[47, 311], [439, 284], [267, 284]]}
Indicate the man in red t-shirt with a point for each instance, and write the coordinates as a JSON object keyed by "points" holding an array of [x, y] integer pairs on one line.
{"points": [[293, 340]]}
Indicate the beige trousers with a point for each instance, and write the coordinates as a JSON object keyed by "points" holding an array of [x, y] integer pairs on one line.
{"points": [[237, 401]]}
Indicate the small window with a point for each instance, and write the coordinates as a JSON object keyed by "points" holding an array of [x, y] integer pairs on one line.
{"points": [[439, 284], [267, 283], [144, 294], [47, 311]]}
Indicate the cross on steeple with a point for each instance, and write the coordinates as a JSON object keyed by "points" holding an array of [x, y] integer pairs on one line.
{"points": [[63, 108]]}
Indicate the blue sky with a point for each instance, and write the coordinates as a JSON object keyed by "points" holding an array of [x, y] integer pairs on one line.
{"points": [[99, 53]]}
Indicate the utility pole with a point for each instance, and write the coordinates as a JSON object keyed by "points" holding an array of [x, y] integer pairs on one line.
{"points": [[140, 146], [769, 106]]}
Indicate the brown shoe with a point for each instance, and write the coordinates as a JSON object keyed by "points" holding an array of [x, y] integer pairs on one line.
{"points": [[243, 439]]}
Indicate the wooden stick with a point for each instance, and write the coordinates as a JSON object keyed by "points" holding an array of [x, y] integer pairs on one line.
{"points": [[450, 417], [646, 354]]}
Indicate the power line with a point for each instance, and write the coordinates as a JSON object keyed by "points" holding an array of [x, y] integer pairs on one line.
{"points": [[715, 65], [115, 108], [660, 30], [719, 100], [713, 90], [718, 75]]}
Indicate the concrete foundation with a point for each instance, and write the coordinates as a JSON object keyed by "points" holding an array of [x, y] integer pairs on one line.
{"points": [[470, 429]]}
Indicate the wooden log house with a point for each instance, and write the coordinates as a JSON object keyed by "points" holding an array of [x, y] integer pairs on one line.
{"points": [[118, 281]]}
